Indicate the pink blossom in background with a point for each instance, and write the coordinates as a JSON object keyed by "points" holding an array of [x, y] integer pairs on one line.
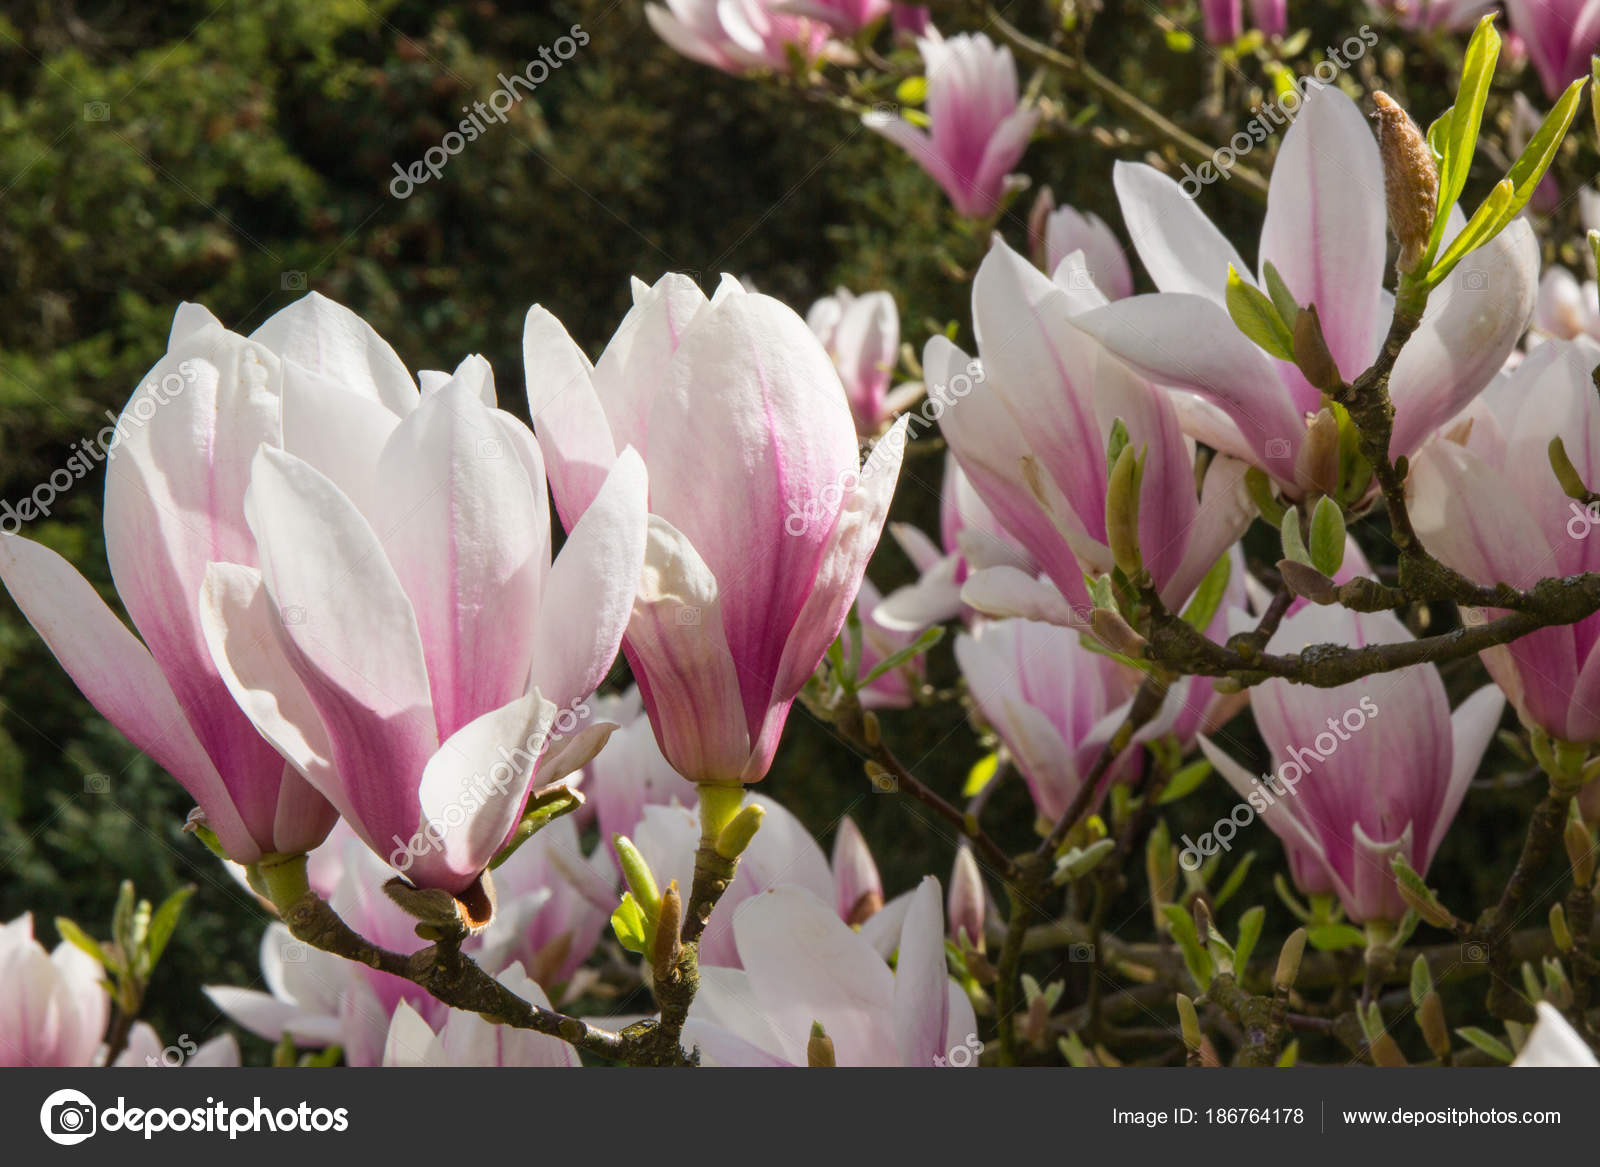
{"points": [[54, 1008], [977, 127], [1560, 36], [737, 36]]}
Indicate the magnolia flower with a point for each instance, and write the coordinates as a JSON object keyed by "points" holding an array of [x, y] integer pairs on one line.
{"points": [[862, 335], [1560, 35], [971, 540], [1054, 703], [405, 599], [911, 21], [895, 689], [857, 887], [1270, 16], [977, 128], [1436, 15], [468, 1039], [1363, 771], [967, 901], [631, 772], [145, 1048], [782, 855], [846, 17], [761, 521], [803, 967], [1223, 20], [737, 36], [1566, 309], [1325, 234], [1056, 232], [53, 1008], [1485, 501], [176, 474], [554, 904], [320, 999], [1552, 1042], [1032, 435]]}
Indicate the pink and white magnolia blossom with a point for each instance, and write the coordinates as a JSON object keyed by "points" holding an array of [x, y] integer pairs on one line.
{"points": [[1031, 435], [176, 475], [970, 540], [782, 855], [53, 1008], [737, 36], [145, 1048], [846, 17], [911, 21], [802, 965], [1056, 232], [1553, 1042], [977, 129], [1560, 35], [630, 774], [761, 517], [1270, 16], [895, 689], [1054, 703], [1222, 20], [862, 335], [857, 886], [1437, 15], [407, 642], [1566, 309], [320, 999], [1362, 771], [1325, 232], [1485, 501], [468, 1039]]}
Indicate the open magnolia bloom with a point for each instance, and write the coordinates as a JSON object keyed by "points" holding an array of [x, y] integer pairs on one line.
{"points": [[762, 518], [862, 335], [406, 642], [1552, 1042], [1031, 434], [804, 967], [1364, 771], [1559, 35], [176, 473], [1486, 502], [977, 127], [1325, 233], [145, 1048], [467, 1039], [54, 1007], [737, 36]]}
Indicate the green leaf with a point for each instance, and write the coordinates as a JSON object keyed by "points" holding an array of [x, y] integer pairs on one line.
{"points": [[1483, 226], [1185, 781], [1198, 960], [1486, 1042], [1249, 932], [636, 871], [1421, 981], [1207, 597], [1460, 140], [78, 938], [1332, 937], [912, 91], [162, 925], [981, 774], [1080, 861], [1540, 151], [910, 652], [1327, 536], [1439, 135], [1260, 488], [1294, 546], [1234, 881], [1282, 298], [1116, 442], [1254, 315], [628, 923]]}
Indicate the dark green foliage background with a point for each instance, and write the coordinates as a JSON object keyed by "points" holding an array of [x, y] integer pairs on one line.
{"points": [[245, 143]]}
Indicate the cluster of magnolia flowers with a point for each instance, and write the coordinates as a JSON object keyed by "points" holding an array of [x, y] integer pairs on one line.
{"points": [[353, 640]]}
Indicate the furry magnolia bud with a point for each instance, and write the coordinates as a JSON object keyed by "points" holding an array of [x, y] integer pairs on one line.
{"points": [[1410, 180]]}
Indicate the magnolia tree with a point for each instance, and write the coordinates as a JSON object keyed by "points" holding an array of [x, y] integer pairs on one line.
{"points": [[352, 644]]}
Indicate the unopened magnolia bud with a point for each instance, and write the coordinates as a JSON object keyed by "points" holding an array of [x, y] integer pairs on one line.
{"points": [[1410, 180], [1386, 1053], [1111, 630], [736, 836], [1304, 580], [966, 901], [1311, 352], [1189, 1020], [1288, 971], [1318, 464], [664, 958], [819, 1049], [1430, 1017], [1122, 511], [1559, 929], [1038, 226]]}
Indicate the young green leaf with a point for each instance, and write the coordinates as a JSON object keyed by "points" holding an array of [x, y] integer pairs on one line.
{"points": [[1256, 316], [1460, 140], [1249, 932], [1208, 596], [1327, 536], [1282, 298]]}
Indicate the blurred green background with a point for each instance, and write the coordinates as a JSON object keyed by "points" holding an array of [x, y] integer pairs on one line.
{"points": [[240, 154]]}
